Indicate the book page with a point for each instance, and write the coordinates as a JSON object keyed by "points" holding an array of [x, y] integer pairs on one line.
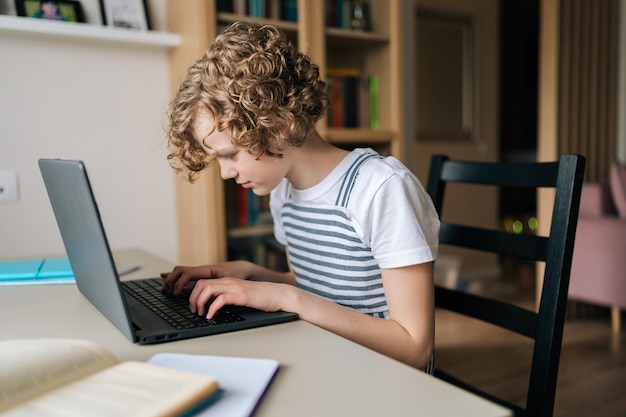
{"points": [[31, 367], [130, 388]]}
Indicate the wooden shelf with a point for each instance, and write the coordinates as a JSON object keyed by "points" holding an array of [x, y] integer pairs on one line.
{"points": [[284, 25], [350, 38], [355, 136], [85, 32], [251, 231]]}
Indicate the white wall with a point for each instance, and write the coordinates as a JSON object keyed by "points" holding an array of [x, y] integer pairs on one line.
{"points": [[104, 104]]}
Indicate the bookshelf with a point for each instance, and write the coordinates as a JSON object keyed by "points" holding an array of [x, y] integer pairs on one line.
{"points": [[205, 233]]}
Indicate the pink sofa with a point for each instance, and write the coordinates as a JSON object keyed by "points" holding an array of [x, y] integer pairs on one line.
{"points": [[599, 262]]}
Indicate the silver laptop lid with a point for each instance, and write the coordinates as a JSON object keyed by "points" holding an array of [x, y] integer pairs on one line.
{"points": [[85, 240]]}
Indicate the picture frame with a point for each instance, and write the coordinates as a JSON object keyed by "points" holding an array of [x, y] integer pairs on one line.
{"points": [[445, 82], [126, 14], [59, 10]]}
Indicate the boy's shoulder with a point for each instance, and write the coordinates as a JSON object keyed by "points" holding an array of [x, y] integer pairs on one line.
{"points": [[376, 165]]}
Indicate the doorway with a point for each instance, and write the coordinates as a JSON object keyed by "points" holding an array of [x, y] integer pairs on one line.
{"points": [[519, 59]]}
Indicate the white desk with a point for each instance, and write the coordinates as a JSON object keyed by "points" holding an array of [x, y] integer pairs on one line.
{"points": [[320, 374]]}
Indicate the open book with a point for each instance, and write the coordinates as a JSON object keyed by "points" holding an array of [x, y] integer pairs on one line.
{"points": [[61, 377]]}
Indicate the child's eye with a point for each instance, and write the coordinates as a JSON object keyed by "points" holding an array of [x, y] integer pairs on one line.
{"points": [[229, 155]]}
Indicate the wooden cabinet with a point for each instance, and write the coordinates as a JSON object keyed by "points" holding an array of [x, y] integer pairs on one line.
{"points": [[203, 206]]}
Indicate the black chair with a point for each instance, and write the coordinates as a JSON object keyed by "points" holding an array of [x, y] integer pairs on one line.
{"points": [[544, 327]]}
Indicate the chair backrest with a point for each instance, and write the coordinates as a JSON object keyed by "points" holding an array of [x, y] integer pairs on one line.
{"points": [[545, 326]]}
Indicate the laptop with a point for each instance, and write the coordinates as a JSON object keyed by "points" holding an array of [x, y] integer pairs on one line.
{"points": [[95, 272]]}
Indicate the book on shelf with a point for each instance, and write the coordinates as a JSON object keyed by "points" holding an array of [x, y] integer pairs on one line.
{"points": [[337, 12], [261, 9], [243, 204], [249, 224], [80, 377], [240, 7], [289, 10], [374, 122], [343, 84], [244, 208], [348, 14], [258, 8], [353, 98], [257, 245]]}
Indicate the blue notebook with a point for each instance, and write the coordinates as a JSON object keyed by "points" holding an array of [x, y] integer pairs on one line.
{"points": [[36, 271], [55, 268], [18, 270]]}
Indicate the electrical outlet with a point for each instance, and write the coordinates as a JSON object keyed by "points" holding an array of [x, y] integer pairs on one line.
{"points": [[8, 186]]}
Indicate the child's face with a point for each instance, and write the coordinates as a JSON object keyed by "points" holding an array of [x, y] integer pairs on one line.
{"points": [[49, 8], [261, 175]]}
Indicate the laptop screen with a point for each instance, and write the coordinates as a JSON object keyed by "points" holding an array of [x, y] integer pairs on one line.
{"points": [[84, 238]]}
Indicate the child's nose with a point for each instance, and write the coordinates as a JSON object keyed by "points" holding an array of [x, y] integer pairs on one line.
{"points": [[227, 171]]}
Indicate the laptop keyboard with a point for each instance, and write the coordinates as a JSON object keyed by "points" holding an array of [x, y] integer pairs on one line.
{"points": [[174, 309]]}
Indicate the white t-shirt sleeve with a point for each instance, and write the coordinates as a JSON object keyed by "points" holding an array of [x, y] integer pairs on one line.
{"points": [[401, 225]]}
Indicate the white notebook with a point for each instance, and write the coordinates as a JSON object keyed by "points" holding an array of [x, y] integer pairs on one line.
{"points": [[244, 380]]}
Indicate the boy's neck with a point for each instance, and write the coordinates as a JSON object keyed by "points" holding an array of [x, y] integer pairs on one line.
{"points": [[313, 161]]}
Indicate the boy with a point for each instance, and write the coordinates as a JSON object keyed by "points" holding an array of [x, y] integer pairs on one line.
{"points": [[360, 232]]}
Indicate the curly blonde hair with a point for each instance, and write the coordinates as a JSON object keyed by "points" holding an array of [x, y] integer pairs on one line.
{"points": [[256, 86]]}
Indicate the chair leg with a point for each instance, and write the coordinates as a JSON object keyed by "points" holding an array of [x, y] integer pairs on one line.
{"points": [[616, 319]]}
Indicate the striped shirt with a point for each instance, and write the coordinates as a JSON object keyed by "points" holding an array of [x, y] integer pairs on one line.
{"points": [[327, 255], [369, 213], [341, 232]]}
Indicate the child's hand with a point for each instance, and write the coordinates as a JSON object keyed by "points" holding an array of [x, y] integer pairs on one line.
{"points": [[216, 293], [180, 276]]}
